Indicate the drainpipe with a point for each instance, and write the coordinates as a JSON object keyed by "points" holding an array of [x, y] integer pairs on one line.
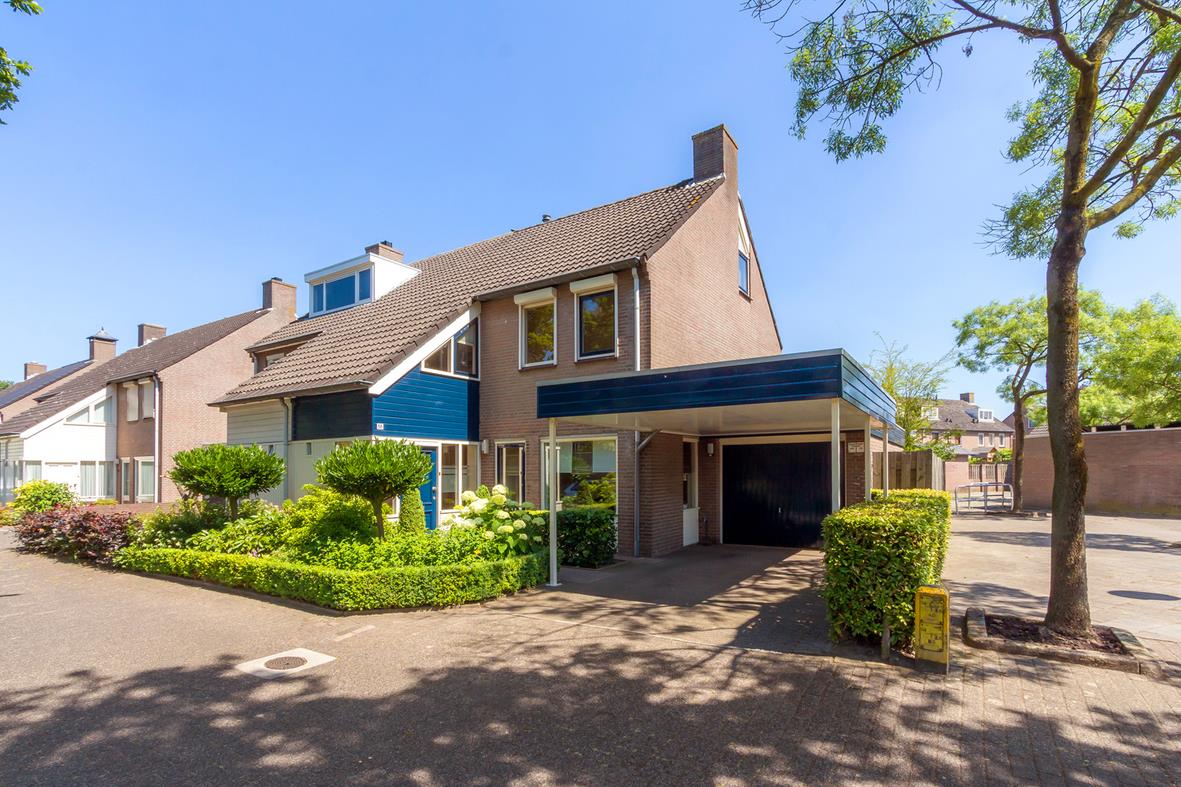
{"points": [[159, 466], [636, 434]]}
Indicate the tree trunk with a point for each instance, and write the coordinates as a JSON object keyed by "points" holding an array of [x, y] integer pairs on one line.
{"points": [[233, 509], [1068, 610], [1018, 450], [379, 518]]}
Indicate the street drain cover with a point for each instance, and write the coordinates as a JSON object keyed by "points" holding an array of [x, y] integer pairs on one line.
{"points": [[289, 662]]}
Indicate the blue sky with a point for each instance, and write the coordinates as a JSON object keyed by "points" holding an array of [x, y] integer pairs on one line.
{"points": [[166, 159]]}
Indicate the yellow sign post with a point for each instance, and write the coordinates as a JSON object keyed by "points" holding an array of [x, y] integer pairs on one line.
{"points": [[932, 625]]}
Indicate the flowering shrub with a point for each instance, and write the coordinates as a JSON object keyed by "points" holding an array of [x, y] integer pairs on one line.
{"points": [[41, 496], [81, 533], [508, 527]]}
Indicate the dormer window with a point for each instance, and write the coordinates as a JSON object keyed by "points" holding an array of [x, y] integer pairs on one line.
{"points": [[985, 415], [342, 292], [459, 356], [931, 414]]}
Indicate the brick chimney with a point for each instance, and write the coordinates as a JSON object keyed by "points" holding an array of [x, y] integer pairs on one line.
{"points": [[102, 346], [968, 397], [33, 369], [385, 250], [280, 296], [714, 153], [150, 333]]}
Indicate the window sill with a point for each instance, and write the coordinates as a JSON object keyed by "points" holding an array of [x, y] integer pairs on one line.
{"points": [[544, 365], [746, 295], [591, 358]]}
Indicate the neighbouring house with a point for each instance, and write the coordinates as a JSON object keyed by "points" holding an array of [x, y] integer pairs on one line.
{"points": [[1129, 470], [641, 330], [969, 429], [111, 431], [40, 381]]}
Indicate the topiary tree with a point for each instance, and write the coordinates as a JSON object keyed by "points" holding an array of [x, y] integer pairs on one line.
{"points": [[375, 470], [230, 472], [412, 517]]}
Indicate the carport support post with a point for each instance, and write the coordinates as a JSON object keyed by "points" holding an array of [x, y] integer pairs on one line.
{"points": [[836, 454], [553, 503], [868, 461]]}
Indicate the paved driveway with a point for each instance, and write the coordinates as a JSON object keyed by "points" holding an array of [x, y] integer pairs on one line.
{"points": [[1133, 569], [116, 678]]}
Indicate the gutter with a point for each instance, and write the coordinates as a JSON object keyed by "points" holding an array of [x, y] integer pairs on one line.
{"points": [[159, 407], [584, 273], [285, 402]]}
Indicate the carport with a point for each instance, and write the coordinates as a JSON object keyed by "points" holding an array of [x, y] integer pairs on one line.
{"points": [[780, 420]]}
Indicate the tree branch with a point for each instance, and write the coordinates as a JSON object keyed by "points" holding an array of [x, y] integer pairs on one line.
{"points": [[1163, 165], [1160, 10], [1057, 35]]}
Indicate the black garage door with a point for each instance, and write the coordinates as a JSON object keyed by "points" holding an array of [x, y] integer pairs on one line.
{"points": [[775, 495]]}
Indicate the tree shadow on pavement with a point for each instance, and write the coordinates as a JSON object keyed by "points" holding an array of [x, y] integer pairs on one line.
{"points": [[587, 713], [1117, 541]]}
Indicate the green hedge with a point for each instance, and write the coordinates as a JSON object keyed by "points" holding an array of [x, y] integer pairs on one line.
{"points": [[410, 586], [876, 556], [587, 536]]}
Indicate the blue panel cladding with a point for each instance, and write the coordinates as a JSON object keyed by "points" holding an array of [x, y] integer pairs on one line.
{"points": [[429, 405], [860, 389], [781, 379]]}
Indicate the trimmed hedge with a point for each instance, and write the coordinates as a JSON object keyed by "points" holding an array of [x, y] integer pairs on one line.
{"points": [[410, 586], [877, 554], [587, 536]]}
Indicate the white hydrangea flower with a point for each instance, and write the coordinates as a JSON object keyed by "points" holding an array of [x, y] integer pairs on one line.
{"points": [[499, 499], [468, 496], [504, 529], [502, 514], [500, 489], [488, 534], [519, 524], [478, 505], [537, 539], [523, 537]]}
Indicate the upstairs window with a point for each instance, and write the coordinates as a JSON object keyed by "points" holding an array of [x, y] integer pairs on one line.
{"points": [[459, 355], [343, 291], [985, 415], [149, 407], [743, 274], [596, 324], [131, 401], [537, 335]]}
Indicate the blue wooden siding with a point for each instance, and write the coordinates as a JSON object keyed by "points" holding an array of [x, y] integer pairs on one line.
{"points": [[331, 415], [429, 405], [783, 378]]}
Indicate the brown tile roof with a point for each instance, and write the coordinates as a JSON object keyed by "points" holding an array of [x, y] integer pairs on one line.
{"points": [[354, 347], [138, 362], [18, 391], [953, 414]]}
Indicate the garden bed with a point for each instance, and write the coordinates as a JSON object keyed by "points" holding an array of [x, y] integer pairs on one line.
{"points": [[344, 589]]}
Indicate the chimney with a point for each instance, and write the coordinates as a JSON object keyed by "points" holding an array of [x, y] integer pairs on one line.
{"points": [[714, 153], [102, 346], [33, 369], [150, 333], [386, 251], [968, 397], [280, 296]]}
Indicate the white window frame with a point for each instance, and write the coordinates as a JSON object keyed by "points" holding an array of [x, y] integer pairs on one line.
{"points": [[695, 472], [131, 401], [496, 467], [744, 261], [593, 286], [531, 300], [149, 398], [985, 415], [357, 300], [452, 343], [126, 469], [140, 461], [463, 483]]}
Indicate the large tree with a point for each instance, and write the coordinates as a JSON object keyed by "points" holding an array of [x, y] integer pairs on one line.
{"points": [[11, 70], [1138, 368], [1102, 130], [1012, 338]]}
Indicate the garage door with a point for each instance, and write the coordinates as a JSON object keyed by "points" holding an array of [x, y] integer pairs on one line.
{"points": [[775, 495]]}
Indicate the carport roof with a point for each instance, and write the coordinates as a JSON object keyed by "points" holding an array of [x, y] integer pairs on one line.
{"points": [[752, 396]]}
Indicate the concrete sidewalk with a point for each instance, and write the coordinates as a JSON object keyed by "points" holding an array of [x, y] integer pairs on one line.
{"points": [[117, 678]]}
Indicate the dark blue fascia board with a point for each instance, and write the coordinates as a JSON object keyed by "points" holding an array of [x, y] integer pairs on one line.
{"points": [[822, 375]]}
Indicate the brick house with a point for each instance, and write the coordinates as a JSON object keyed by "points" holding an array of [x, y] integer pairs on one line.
{"points": [[972, 430], [110, 431], [453, 352], [40, 381]]}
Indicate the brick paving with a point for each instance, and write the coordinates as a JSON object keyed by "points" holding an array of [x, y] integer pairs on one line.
{"points": [[109, 677]]}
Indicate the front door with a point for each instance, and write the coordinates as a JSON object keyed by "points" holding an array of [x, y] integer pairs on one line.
{"points": [[775, 494], [429, 490]]}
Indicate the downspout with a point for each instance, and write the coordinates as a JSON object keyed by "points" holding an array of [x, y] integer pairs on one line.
{"points": [[636, 444], [159, 406]]}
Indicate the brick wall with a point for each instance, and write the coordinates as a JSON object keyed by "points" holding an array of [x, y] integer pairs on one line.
{"points": [[1137, 471]]}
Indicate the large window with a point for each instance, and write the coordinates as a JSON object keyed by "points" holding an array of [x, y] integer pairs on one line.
{"points": [[131, 399], [32, 471], [460, 355], [743, 274], [586, 471], [459, 469], [96, 479], [149, 400], [343, 291], [145, 480], [538, 345], [596, 324], [510, 468]]}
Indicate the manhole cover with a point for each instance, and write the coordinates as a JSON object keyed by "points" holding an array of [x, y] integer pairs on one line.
{"points": [[285, 662]]}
